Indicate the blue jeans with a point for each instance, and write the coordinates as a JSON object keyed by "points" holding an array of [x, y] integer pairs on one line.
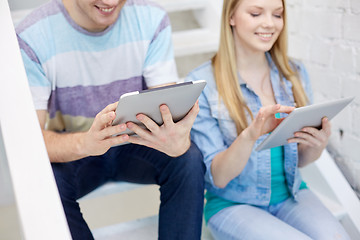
{"points": [[305, 219], [181, 182]]}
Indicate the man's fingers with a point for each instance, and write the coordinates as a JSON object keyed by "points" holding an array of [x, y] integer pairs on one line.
{"points": [[142, 133], [189, 119], [109, 108], [113, 130], [105, 117], [139, 140], [166, 115], [113, 141], [102, 121], [148, 122]]}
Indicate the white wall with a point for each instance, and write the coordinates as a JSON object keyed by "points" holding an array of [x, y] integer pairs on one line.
{"points": [[325, 35]]}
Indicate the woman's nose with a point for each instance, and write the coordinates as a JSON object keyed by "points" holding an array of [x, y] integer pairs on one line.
{"points": [[268, 21]]}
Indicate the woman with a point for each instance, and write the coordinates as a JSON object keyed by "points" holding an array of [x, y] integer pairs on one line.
{"points": [[250, 194]]}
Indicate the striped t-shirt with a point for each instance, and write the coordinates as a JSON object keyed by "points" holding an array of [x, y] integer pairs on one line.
{"points": [[74, 73]]}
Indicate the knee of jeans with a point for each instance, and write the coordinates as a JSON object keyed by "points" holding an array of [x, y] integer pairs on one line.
{"points": [[191, 164], [331, 232]]}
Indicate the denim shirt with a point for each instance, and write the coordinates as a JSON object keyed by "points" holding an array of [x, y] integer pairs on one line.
{"points": [[214, 131]]}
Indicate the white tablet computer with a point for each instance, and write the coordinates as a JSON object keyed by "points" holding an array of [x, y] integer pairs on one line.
{"points": [[180, 98], [308, 116]]}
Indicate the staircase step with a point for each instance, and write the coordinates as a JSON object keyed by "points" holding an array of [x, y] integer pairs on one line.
{"points": [[117, 203], [145, 228], [111, 188], [183, 5], [335, 208], [194, 41]]}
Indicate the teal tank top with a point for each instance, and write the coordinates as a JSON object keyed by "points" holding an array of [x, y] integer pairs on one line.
{"points": [[279, 189]]}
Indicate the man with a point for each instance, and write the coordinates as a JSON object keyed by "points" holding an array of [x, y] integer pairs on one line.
{"points": [[80, 56]]}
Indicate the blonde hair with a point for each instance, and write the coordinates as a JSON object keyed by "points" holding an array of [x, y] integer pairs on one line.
{"points": [[225, 68]]}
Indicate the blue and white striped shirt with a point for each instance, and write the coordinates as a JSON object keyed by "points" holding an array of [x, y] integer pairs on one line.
{"points": [[74, 73]]}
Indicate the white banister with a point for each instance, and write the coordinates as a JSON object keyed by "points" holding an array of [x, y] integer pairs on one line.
{"points": [[325, 179], [37, 200]]}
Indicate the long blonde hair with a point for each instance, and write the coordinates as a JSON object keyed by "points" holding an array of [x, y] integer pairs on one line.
{"points": [[225, 68]]}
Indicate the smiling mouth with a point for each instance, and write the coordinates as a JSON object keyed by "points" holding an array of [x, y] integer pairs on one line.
{"points": [[264, 35], [105, 10]]}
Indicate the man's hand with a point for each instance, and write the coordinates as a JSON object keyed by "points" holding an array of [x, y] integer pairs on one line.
{"points": [[100, 138], [170, 138]]}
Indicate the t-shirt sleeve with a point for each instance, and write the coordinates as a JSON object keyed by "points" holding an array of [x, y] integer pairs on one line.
{"points": [[40, 86], [160, 67]]}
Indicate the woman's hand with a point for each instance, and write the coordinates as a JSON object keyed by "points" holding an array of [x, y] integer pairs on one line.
{"points": [[265, 121], [170, 138], [228, 164], [312, 142]]}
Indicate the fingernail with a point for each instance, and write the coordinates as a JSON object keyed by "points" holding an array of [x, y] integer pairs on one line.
{"points": [[139, 117]]}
